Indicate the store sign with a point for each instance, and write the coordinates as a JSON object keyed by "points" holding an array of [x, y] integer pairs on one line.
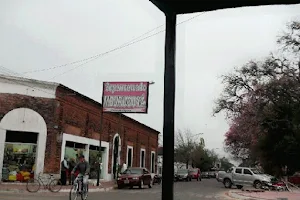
{"points": [[125, 97]]}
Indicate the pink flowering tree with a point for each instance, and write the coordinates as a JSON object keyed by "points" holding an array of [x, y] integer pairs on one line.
{"points": [[262, 104]]}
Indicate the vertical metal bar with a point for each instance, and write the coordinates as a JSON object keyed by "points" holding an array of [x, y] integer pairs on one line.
{"points": [[169, 107], [120, 130], [100, 147]]}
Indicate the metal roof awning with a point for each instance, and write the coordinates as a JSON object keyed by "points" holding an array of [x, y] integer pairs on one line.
{"points": [[191, 6]]}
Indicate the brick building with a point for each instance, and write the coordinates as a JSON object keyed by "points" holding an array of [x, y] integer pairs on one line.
{"points": [[43, 122]]}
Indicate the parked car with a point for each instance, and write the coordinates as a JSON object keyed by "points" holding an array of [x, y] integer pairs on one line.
{"points": [[196, 174], [135, 176], [212, 174], [205, 175], [183, 175], [242, 176], [295, 179], [175, 177]]}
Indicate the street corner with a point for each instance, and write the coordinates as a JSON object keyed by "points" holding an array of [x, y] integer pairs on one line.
{"points": [[230, 195], [239, 195], [45, 191]]}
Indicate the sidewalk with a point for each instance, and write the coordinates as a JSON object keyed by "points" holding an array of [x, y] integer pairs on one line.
{"points": [[268, 195], [21, 187]]}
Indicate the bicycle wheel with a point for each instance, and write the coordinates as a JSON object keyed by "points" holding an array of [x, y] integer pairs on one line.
{"points": [[55, 186], [74, 192], [33, 185], [84, 193]]}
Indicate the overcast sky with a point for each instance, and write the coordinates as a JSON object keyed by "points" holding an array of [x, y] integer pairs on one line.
{"points": [[37, 35]]}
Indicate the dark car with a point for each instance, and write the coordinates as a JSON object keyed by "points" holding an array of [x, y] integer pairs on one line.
{"points": [[196, 174], [212, 174], [205, 175], [183, 175], [135, 176]]}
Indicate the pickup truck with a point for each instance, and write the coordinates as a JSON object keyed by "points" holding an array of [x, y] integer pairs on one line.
{"points": [[243, 176]]}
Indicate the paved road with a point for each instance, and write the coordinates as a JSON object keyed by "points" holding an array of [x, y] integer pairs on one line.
{"points": [[207, 189]]}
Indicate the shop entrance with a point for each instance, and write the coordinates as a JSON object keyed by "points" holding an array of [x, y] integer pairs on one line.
{"points": [[19, 155], [94, 161]]}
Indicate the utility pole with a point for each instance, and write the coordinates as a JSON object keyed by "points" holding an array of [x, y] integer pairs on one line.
{"points": [[100, 148]]}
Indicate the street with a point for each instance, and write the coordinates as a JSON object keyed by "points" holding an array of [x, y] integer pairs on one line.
{"points": [[204, 190]]}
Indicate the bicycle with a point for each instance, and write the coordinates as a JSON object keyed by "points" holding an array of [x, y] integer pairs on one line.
{"points": [[52, 183], [78, 190]]}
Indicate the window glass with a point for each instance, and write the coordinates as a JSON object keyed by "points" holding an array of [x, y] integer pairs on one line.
{"points": [[18, 161], [247, 171], [238, 170]]}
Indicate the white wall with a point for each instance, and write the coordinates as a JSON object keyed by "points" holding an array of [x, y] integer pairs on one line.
{"points": [[24, 119], [14, 85], [88, 141]]}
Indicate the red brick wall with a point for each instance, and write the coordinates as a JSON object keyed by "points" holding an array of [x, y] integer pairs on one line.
{"points": [[47, 108], [73, 114], [81, 116]]}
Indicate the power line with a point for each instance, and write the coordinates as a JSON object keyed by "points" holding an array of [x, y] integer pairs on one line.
{"points": [[9, 72], [92, 57], [107, 52], [127, 44]]}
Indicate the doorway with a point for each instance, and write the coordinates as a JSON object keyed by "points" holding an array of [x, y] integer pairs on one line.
{"points": [[116, 155]]}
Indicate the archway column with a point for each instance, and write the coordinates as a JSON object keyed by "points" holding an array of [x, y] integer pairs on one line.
{"points": [[2, 144]]}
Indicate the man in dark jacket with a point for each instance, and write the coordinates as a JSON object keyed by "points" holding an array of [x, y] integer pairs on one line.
{"points": [[63, 173], [84, 170]]}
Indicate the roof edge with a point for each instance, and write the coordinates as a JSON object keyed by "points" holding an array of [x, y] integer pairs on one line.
{"points": [[19, 79], [100, 104]]}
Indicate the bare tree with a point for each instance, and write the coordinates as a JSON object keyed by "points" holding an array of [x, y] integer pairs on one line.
{"points": [[184, 146]]}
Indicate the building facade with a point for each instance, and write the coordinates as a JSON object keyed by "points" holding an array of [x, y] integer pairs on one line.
{"points": [[43, 122]]}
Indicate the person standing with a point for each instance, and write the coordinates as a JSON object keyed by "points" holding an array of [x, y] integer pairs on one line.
{"points": [[84, 170], [63, 173], [72, 164], [124, 167]]}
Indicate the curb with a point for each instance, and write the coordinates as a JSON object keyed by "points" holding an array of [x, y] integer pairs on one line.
{"points": [[61, 191]]}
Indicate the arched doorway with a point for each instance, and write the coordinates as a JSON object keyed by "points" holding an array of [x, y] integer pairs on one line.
{"points": [[24, 120], [116, 154]]}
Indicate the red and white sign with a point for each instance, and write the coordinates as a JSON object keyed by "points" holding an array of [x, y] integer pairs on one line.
{"points": [[125, 97]]}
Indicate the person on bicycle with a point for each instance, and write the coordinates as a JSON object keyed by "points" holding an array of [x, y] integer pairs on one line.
{"points": [[84, 170]]}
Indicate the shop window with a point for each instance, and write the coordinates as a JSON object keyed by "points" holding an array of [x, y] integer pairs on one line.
{"points": [[93, 160], [129, 156], [19, 155], [72, 151], [142, 158]]}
